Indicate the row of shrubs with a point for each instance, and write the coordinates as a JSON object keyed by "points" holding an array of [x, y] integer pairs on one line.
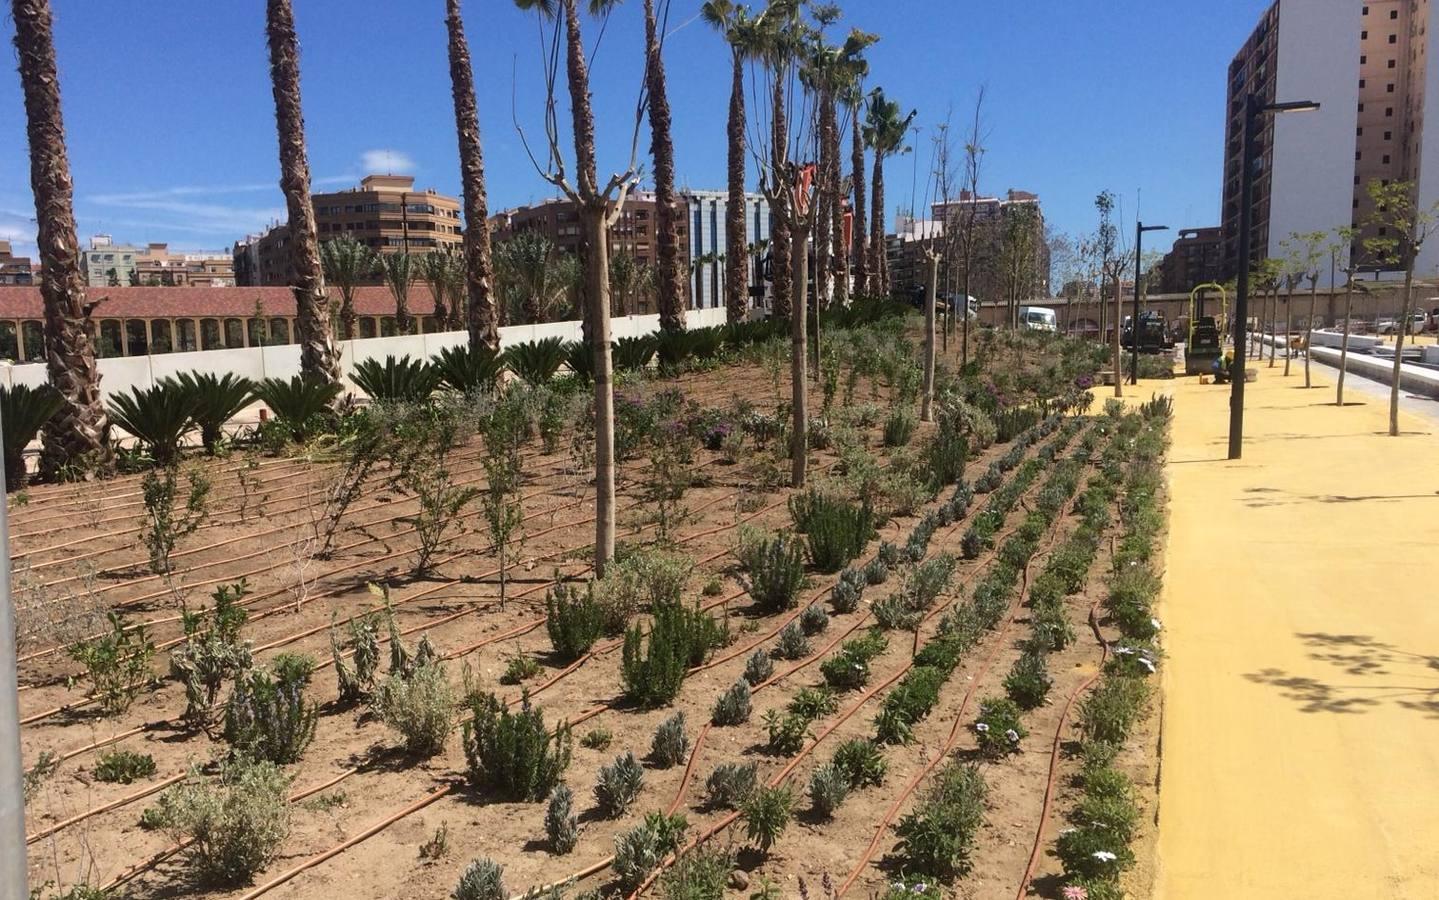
{"points": [[980, 535], [1095, 851]]}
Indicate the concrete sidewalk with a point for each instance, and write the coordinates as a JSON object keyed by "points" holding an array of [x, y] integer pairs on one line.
{"points": [[1301, 608]]}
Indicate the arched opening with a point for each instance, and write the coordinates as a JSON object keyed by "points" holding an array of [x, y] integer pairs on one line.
{"points": [[255, 329], [33, 331], [368, 329], [136, 341], [279, 331], [234, 333], [185, 329], [210, 335], [160, 336], [9, 340], [388, 327], [110, 339]]}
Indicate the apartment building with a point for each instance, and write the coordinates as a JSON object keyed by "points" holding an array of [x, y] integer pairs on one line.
{"points": [[992, 246], [14, 270], [708, 218], [1195, 259], [384, 212], [1367, 63]]}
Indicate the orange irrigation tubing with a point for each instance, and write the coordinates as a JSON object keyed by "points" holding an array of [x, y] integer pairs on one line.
{"points": [[114, 804]]}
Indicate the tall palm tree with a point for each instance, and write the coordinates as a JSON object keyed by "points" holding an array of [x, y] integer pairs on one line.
{"points": [[398, 271], [735, 23], [853, 95], [77, 437], [348, 264], [318, 358], [662, 148], [481, 316], [435, 269], [884, 131], [531, 269], [775, 37], [850, 70]]}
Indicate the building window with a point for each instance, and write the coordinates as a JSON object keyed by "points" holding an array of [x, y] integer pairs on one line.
{"points": [[1393, 14], [367, 327], [210, 335], [1386, 159], [135, 341], [234, 333], [1363, 60], [1388, 135], [185, 331], [279, 331], [388, 327], [1389, 113], [1392, 63], [1390, 88], [1393, 38], [34, 334], [1361, 84], [1359, 132], [160, 336], [9, 340]]}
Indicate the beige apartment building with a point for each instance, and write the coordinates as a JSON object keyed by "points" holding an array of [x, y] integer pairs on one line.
{"points": [[14, 270], [384, 213]]}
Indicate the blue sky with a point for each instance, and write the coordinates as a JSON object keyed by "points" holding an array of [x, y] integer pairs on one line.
{"points": [[171, 123]]}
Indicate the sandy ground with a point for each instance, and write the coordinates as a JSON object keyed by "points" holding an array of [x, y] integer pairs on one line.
{"points": [[1302, 689]]}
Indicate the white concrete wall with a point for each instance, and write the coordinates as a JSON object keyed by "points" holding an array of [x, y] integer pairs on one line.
{"points": [[120, 374], [1312, 187]]}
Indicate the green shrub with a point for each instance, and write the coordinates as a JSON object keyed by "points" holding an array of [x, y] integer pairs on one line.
{"points": [[536, 362], [420, 707], [267, 719], [1111, 710], [845, 595], [759, 668], [774, 571], [158, 417], [814, 620], [861, 762], [670, 744], [679, 637], [117, 664], [1028, 682], [482, 879], [574, 620], [24, 411], [561, 824], [402, 380], [639, 851], [792, 643], [302, 406], [733, 706], [597, 739], [1093, 853], [766, 815], [849, 668], [520, 668], [910, 702], [1114, 815], [828, 788], [618, 785], [787, 733], [730, 784], [124, 767], [700, 874], [836, 532], [1050, 626], [937, 838], [899, 428], [293, 668], [876, 572], [215, 401], [234, 826], [1131, 600], [998, 730], [639, 580], [468, 370], [813, 703], [513, 753]]}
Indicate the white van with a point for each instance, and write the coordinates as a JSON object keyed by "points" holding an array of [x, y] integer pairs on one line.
{"points": [[1038, 318]]}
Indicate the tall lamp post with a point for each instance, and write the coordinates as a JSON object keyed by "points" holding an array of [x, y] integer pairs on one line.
{"points": [[1254, 108], [1139, 229]]}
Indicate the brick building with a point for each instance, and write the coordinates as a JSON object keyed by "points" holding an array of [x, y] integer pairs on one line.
{"points": [[1195, 259]]}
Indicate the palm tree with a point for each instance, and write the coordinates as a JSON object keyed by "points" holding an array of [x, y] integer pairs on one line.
{"points": [[535, 274], [775, 38], [436, 270], [318, 358], [624, 279], [398, 271], [348, 264], [735, 23], [482, 316], [76, 438], [662, 148], [884, 132], [851, 70]]}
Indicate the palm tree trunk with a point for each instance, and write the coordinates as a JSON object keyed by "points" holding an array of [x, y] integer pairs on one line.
{"points": [[877, 287], [736, 255], [860, 249], [799, 382], [77, 437], [347, 312], [481, 316], [318, 358], [780, 247], [823, 201], [669, 284], [931, 295], [839, 265]]}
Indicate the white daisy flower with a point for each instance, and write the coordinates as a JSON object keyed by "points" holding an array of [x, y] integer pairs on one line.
{"points": [[981, 727], [1104, 856]]}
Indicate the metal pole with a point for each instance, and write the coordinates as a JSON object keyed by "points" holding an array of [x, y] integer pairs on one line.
{"points": [[1134, 319], [1241, 302], [13, 871]]}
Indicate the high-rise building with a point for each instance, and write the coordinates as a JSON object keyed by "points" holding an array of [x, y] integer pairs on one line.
{"points": [[1367, 63], [1194, 260], [384, 213], [994, 243], [708, 211], [14, 269]]}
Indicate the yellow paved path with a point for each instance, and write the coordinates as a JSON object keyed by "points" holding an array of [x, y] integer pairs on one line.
{"points": [[1301, 610]]}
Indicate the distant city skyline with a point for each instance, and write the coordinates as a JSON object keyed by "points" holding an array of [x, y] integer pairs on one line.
{"points": [[1082, 97]]}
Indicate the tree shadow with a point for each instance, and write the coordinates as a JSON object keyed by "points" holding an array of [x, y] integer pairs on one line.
{"points": [[1281, 497], [1384, 675]]}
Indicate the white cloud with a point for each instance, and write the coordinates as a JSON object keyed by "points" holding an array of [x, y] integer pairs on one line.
{"points": [[386, 162]]}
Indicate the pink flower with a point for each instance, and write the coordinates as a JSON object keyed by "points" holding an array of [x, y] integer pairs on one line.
{"points": [[1074, 893]]}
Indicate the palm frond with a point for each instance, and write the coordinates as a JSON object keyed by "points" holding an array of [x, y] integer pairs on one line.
{"points": [[402, 380], [301, 404], [536, 362], [24, 410], [158, 417], [217, 400], [468, 370]]}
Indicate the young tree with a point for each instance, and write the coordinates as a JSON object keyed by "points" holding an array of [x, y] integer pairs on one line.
{"points": [[435, 270], [599, 207], [77, 438], [1343, 258], [1018, 255], [1312, 248], [482, 316], [318, 358], [398, 271], [735, 23], [348, 264], [669, 281], [1407, 226], [939, 247], [969, 213], [1112, 264], [884, 132]]}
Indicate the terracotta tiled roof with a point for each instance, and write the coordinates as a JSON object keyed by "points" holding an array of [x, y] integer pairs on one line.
{"points": [[180, 302]]}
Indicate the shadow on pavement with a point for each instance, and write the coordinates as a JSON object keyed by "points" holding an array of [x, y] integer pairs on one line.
{"points": [[1383, 674]]}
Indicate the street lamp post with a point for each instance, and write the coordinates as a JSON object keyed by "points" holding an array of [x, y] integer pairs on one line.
{"points": [[1254, 107], [1139, 229]]}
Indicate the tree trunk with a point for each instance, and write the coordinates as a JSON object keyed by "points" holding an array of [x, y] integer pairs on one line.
{"points": [[839, 264], [930, 296], [76, 438], [780, 240], [481, 317], [964, 337], [1118, 356], [1273, 316], [318, 358], [799, 397], [860, 247], [1402, 326], [1309, 330], [347, 312], [1288, 329], [597, 284], [669, 283], [1344, 341], [821, 218], [736, 245], [877, 285]]}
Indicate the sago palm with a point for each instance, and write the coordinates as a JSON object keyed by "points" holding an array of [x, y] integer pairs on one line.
{"points": [[402, 380], [217, 400], [158, 417], [24, 411], [468, 369]]}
